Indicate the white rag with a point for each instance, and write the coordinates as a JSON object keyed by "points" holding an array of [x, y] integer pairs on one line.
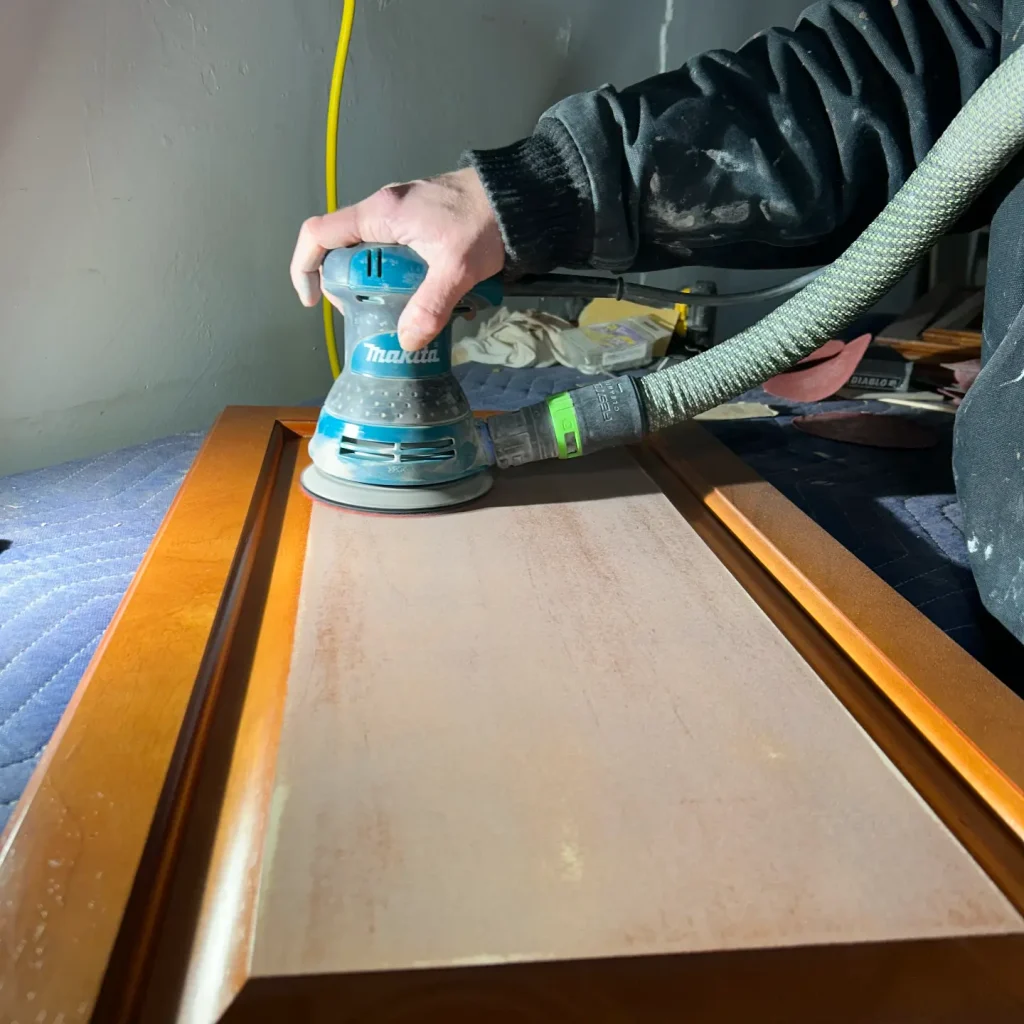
{"points": [[513, 339]]}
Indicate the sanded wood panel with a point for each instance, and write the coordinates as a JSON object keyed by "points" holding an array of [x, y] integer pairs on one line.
{"points": [[555, 726]]}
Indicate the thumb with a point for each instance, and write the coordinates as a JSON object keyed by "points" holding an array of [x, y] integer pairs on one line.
{"points": [[430, 308]]}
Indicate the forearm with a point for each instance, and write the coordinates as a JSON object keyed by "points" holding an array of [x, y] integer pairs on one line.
{"points": [[776, 155]]}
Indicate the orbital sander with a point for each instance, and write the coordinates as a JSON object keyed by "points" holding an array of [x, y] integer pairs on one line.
{"points": [[396, 433]]}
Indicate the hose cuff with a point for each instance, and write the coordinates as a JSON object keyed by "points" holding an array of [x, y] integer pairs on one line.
{"points": [[609, 414], [568, 425], [518, 438]]}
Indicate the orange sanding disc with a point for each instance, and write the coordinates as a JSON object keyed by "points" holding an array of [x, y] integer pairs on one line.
{"points": [[822, 373]]}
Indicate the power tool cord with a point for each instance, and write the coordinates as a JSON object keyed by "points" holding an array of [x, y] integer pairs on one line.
{"points": [[580, 286], [348, 14]]}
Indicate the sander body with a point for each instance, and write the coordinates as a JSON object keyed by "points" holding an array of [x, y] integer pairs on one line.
{"points": [[396, 433]]}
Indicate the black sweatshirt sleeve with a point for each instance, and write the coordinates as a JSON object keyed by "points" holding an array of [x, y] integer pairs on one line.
{"points": [[777, 155]]}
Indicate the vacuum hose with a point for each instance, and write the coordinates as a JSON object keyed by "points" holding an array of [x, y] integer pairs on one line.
{"points": [[978, 143]]}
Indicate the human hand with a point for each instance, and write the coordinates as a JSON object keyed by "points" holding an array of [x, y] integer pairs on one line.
{"points": [[446, 220]]}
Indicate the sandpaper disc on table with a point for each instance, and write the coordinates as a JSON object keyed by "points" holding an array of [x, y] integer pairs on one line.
{"points": [[821, 374], [876, 430]]}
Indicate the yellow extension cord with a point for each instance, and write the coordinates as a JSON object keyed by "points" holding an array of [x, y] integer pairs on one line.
{"points": [[333, 116]]}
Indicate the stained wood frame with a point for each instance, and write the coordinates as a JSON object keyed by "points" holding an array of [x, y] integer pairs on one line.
{"points": [[129, 870]]}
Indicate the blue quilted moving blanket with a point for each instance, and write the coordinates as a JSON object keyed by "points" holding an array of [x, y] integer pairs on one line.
{"points": [[72, 536]]}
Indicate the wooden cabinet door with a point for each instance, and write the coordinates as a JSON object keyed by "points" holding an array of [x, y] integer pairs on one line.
{"points": [[629, 739]]}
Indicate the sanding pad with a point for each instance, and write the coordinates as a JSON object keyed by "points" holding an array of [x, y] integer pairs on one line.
{"points": [[394, 500]]}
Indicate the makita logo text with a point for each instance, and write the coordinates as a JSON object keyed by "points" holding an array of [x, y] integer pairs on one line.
{"points": [[376, 354]]}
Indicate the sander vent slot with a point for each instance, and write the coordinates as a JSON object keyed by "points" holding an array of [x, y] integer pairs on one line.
{"points": [[403, 451], [374, 263]]}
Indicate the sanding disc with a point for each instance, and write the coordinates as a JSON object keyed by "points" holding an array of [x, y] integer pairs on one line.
{"points": [[876, 430], [394, 500], [822, 373]]}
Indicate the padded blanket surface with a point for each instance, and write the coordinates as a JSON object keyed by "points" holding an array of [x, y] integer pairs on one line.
{"points": [[72, 536]]}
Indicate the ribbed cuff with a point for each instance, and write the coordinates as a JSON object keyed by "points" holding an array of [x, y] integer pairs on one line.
{"points": [[539, 191]]}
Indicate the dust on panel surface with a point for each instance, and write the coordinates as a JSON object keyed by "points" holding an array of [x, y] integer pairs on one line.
{"points": [[555, 726]]}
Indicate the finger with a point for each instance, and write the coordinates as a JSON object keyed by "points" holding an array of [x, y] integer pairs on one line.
{"points": [[430, 308], [312, 246], [317, 237], [332, 299]]}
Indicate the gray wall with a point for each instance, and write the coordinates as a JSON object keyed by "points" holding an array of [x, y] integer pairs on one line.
{"points": [[157, 157]]}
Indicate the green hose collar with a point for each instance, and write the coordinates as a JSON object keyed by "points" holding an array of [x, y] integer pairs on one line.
{"points": [[565, 426]]}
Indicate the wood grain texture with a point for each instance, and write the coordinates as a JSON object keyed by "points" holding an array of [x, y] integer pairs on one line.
{"points": [[967, 715], [73, 848], [940, 346], [957, 344], [555, 727]]}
